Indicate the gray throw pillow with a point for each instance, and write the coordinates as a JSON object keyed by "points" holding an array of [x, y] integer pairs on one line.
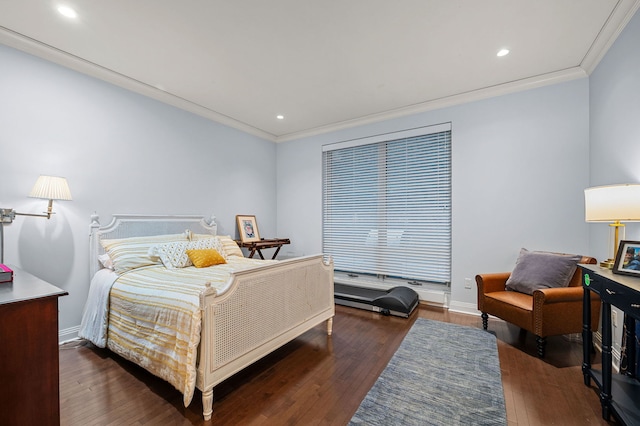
{"points": [[536, 270]]}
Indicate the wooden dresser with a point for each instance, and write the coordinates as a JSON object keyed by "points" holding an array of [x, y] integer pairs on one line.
{"points": [[29, 370]]}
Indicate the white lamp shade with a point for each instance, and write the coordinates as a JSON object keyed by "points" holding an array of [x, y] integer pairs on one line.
{"points": [[51, 188], [612, 203]]}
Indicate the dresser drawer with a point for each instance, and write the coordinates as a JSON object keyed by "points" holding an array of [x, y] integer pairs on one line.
{"points": [[619, 296], [593, 282]]}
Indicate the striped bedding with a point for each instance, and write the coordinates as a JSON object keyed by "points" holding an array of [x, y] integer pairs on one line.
{"points": [[155, 320]]}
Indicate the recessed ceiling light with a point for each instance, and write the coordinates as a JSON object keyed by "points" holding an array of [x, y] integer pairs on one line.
{"points": [[503, 52], [280, 117], [67, 11]]}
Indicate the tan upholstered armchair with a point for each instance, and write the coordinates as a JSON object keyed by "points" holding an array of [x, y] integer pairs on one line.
{"points": [[547, 312]]}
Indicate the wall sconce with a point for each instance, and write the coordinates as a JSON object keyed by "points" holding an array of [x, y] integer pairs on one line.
{"points": [[46, 187], [616, 204]]}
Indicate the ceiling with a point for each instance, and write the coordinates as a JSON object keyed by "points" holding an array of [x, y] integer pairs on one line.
{"points": [[323, 65]]}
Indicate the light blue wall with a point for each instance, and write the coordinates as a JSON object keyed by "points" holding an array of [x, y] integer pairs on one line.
{"points": [[520, 165], [615, 124], [121, 153], [615, 134]]}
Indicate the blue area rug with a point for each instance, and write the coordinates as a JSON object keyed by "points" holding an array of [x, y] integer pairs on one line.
{"points": [[442, 374]]}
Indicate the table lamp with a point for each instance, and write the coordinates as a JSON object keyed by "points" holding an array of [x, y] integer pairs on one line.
{"points": [[614, 204], [46, 187]]}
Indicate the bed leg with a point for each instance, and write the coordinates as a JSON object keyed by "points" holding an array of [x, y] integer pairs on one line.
{"points": [[207, 403], [329, 326]]}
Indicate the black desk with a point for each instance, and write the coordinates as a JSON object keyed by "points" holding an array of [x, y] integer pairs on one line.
{"points": [[619, 394]]}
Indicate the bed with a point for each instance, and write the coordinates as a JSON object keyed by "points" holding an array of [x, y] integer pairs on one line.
{"points": [[196, 326]]}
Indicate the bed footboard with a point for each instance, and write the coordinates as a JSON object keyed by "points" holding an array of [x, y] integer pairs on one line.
{"points": [[262, 309]]}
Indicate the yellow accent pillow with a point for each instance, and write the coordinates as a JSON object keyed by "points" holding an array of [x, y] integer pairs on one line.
{"points": [[201, 258]]}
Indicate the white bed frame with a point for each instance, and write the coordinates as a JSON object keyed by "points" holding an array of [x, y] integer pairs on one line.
{"points": [[294, 295]]}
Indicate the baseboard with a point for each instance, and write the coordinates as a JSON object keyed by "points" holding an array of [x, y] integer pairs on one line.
{"points": [[68, 334], [433, 297], [464, 308]]}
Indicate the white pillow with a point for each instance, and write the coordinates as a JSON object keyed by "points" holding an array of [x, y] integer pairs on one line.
{"points": [[131, 253], [230, 247], [174, 255], [106, 261]]}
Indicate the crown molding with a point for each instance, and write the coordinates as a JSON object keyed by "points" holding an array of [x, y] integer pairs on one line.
{"points": [[449, 101], [67, 60], [619, 18], [617, 21]]}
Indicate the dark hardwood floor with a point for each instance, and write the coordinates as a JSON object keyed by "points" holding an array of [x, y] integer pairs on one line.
{"points": [[320, 380]]}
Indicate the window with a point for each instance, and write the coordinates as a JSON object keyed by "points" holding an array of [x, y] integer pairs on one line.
{"points": [[387, 204]]}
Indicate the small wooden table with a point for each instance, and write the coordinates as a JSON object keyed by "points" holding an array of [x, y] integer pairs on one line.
{"points": [[257, 246]]}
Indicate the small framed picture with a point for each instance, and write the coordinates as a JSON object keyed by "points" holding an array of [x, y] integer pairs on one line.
{"points": [[628, 259], [248, 228]]}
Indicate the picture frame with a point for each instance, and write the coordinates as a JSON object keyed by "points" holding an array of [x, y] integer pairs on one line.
{"points": [[628, 259], [247, 228]]}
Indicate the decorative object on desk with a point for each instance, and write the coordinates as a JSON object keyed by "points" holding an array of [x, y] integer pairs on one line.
{"points": [[6, 274], [628, 259], [46, 187], [615, 204], [248, 228]]}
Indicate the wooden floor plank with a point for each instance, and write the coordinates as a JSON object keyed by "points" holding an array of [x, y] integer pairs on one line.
{"points": [[320, 380]]}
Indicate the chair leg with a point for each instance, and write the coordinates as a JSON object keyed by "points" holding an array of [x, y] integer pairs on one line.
{"points": [[541, 343], [485, 320]]}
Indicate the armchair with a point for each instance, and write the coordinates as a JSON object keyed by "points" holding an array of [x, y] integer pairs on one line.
{"points": [[546, 312]]}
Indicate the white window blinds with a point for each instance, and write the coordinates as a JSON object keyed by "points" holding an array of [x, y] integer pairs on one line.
{"points": [[387, 204]]}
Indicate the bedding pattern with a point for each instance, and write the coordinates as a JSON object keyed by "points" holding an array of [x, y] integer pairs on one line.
{"points": [[155, 318], [195, 327]]}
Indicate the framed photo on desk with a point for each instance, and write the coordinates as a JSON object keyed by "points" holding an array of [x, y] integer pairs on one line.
{"points": [[247, 228], [628, 259]]}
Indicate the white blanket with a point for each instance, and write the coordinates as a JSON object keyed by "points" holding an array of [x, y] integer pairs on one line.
{"points": [[95, 318]]}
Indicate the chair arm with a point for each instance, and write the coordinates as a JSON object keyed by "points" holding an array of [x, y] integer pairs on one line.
{"points": [[547, 296], [557, 295], [559, 310], [488, 283]]}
